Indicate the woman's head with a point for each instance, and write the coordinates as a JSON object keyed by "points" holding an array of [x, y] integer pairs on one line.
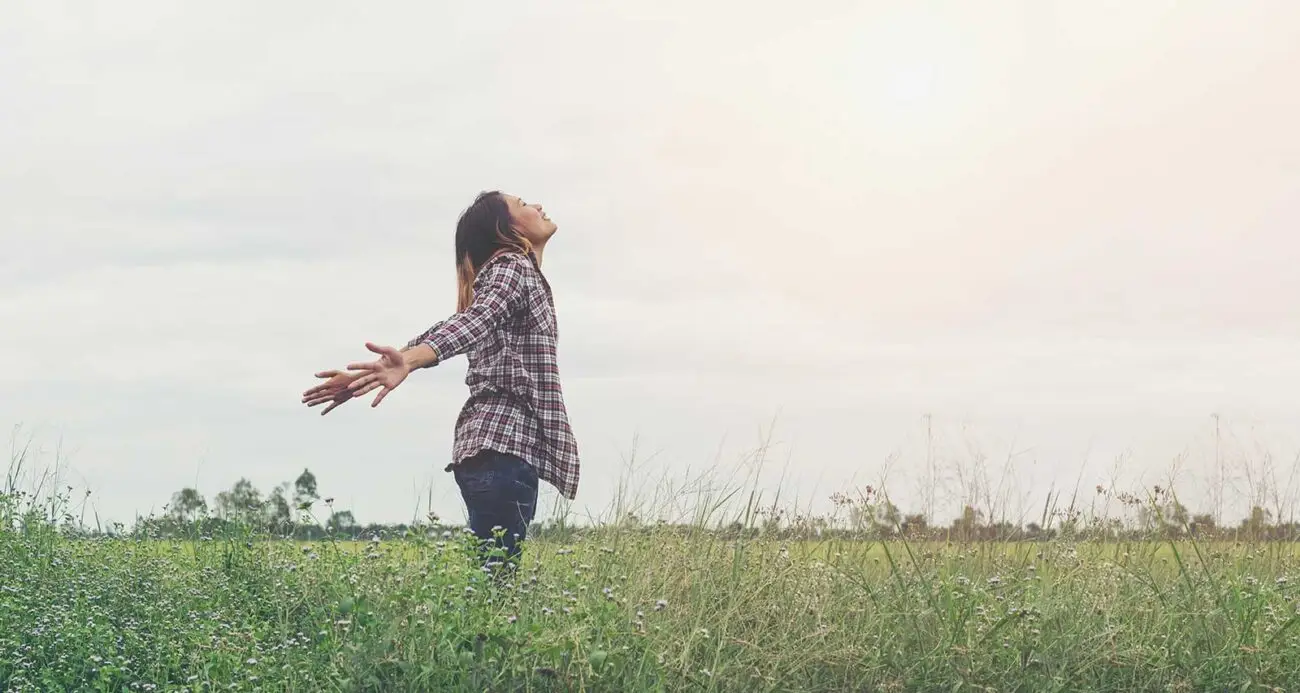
{"points": [[495, 222]]}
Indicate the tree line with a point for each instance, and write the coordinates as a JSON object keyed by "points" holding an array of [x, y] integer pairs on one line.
{"points": [[289, 511]]}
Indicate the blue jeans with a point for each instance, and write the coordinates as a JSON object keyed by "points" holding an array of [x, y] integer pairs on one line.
{"points": [[500, 490]]}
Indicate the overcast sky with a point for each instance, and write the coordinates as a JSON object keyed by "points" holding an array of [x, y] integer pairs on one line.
{"points": [[1067, 231]]}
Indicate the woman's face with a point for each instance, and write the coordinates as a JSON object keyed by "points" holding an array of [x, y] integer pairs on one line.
{"points": [[530, 220]]}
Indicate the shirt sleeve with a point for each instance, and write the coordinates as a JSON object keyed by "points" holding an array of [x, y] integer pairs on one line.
{"points": [[425, 335], [498, 292]]}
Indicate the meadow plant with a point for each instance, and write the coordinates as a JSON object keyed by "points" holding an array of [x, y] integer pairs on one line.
{"points": [[724, 603]]}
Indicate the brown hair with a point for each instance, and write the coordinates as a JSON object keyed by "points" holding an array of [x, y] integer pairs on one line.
{"points": [[484, 230]]}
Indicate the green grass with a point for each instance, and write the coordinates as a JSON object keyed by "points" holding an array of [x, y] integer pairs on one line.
{"points": [[623, 610]]}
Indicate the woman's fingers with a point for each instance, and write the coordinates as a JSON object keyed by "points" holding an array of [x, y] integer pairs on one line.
{"points": [[382, 350], [326, 386], [356, 385], [321, 391], [321, 399], [387, 351], [327, 390], [365, 378]]}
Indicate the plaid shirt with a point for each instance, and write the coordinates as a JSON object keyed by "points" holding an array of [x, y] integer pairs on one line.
{"points": [[515, 405]]}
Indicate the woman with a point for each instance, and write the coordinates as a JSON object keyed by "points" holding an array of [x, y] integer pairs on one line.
{"points": [[514, 429]]}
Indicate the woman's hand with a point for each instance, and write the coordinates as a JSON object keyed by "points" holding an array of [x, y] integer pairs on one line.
{"points": [[334, 390], [387, 372]]}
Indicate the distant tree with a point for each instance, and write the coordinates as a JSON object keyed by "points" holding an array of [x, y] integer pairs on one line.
{"points": [[1169, 518], [1256, 526], [966, 527], [886, 518], [304, 489], [279, 517], [859, 517], [341, 521], [915, 525], [1003, 531], [1203, 525], [241, 504], [188, 505], [1176, 514], [225, 506]]}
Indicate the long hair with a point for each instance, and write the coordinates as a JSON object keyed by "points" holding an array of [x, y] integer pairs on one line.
{"points": [[484, 229]]}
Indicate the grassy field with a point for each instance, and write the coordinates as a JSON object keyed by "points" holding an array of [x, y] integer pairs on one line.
{"points": [[618, 610]]}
